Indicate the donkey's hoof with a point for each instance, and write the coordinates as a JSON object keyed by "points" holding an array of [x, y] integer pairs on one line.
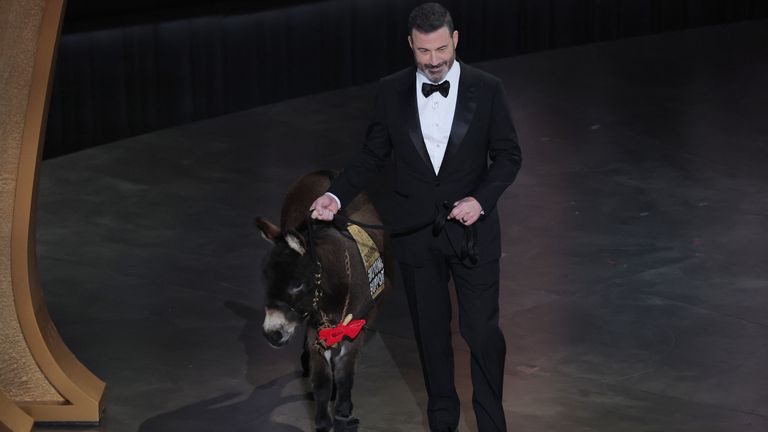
{"points": [[345, 424]]}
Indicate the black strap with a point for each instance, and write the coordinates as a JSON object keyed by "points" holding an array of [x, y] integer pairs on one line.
{"points": [[467, 252], [311, 243], [341, 220]]}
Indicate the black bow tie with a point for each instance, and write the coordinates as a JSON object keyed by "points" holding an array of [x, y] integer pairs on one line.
{"points": [[427, 89]]}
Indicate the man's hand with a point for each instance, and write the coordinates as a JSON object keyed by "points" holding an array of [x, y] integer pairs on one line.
{"points": [[324, 208], [466, 210]]}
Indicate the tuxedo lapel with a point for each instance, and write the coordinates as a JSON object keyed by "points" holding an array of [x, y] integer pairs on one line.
{"points": [[411, 117], [466, 104]]}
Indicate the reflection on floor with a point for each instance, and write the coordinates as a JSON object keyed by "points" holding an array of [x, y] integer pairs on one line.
{"points": [[634, 284]]}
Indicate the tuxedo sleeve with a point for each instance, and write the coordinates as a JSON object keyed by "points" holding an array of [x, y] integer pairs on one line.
{"points": [[371, 159], [503, 152]]}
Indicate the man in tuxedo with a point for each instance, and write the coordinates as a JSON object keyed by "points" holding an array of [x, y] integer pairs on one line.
{"points": [[440, 123]]}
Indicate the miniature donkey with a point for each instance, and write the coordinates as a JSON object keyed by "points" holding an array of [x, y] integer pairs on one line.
{"points": [[299, 291]]}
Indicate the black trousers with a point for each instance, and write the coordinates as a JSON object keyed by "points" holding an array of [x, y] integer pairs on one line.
{"points": [[477, 293]]}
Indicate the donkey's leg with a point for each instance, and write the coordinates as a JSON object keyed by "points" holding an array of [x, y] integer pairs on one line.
{"points": [[344, 373], [321, 377]]}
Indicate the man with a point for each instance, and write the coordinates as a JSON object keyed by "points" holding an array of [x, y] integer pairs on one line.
{"points": [[440, 123]]}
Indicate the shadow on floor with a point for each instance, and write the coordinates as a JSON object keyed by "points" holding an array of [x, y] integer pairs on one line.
{"points": [[219, 413]]}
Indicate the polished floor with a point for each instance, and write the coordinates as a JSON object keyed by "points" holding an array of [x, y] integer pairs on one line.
{"points": [[634, 273]]}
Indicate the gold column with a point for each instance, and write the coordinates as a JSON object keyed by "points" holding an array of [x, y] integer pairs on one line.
{"points": [[38, 373]]}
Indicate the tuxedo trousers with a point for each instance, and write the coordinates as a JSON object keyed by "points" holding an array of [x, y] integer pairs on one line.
{"points": [[477, 294]]}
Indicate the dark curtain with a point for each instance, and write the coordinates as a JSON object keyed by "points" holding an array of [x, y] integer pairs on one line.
{"points": [[124, 72]]}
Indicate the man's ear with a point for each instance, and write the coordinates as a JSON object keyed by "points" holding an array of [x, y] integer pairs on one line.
{"points": [[410, 41], [295, 241], [455, 37], [268, 230]]}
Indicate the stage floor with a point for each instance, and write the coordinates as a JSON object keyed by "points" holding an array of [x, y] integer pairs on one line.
{"points": [[634, 275]]}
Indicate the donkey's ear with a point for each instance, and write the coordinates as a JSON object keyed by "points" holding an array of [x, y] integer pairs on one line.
{"points": [[268, 230], [295, 241]]}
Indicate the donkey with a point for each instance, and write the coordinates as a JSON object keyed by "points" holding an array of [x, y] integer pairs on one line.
{"points": [[299, 291]]}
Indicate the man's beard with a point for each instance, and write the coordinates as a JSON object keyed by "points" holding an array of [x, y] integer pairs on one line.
{"points": [[430, 70]]}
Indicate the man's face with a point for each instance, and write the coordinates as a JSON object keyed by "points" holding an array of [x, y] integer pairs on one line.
{"points": [[434, 52]]}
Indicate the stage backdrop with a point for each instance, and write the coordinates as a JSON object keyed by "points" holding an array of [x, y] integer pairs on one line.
{"points": [[127, 68]]}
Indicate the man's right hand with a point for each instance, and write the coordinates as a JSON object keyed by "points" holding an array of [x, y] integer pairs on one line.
{"points": [[324, 208]]}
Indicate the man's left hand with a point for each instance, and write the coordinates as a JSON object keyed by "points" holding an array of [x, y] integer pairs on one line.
{"points": [[466, 210]]}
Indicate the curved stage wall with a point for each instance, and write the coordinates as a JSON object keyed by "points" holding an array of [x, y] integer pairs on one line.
{"points": [[126, 68], [40, 379]]}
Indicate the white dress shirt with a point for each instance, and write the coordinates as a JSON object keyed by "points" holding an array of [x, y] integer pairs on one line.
{"points": [[436, 114]]}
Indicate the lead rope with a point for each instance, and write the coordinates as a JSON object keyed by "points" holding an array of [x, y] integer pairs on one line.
{"points": [[317, 298], [467, 251]]}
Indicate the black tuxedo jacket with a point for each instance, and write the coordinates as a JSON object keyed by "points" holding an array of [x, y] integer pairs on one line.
{"points": [[482, 131]]}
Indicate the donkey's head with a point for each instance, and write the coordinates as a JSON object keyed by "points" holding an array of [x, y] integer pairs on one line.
{"points": [[288, 272]]}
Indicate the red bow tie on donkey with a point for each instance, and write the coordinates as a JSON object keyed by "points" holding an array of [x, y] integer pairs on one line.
{"points": [[333, 335]]}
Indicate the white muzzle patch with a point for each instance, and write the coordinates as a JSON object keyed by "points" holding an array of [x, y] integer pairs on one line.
{"points": [[274, 320]]}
